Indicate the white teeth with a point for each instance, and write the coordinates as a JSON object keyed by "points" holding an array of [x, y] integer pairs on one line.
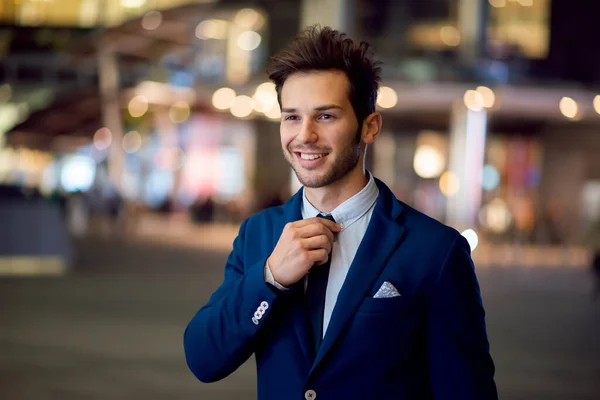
{"points": [[310, 156]]}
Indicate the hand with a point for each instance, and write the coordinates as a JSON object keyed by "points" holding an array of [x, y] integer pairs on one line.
{"points": [[302, 244]]}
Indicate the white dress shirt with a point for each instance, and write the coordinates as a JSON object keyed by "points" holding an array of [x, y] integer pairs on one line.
{"points": [[354, 215]]}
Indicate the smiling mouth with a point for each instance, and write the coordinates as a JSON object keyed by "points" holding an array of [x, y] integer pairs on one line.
{"points": [[310, 156]]}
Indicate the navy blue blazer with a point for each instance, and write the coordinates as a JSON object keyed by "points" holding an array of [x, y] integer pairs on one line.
{"points": [[428, 343]]}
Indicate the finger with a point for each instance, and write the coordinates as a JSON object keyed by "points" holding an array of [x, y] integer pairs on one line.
{"points": [[334, 227], [318, 256], [315, 230], [317, 242]]}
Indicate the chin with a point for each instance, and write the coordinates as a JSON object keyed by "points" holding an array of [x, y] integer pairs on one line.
{"points": [[315, 180], [312, 180], [313, 184]]}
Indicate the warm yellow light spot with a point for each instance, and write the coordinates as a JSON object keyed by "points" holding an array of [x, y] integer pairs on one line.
{"points": [[449, 184], [568, 107]]}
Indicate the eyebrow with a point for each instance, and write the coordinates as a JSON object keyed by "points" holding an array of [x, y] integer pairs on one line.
{"points": [[319, 108]]}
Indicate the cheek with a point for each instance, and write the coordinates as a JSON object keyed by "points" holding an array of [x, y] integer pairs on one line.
{"points": [[286, 139], [343, 139]]}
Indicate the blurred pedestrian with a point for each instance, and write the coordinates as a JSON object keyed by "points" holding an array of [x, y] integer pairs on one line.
{"points": [[593, 242], [203, 209], [77, 214], [343, 292], [272, 200]]}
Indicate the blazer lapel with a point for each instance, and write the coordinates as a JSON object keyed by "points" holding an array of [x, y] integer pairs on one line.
{"points": [[381, 239], [292, 211]]}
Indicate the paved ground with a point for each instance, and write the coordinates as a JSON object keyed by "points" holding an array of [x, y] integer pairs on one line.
{"points": [[113, 329]]}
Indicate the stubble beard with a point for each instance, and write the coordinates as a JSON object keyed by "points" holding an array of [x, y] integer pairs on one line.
{"points": [[344, 163]]}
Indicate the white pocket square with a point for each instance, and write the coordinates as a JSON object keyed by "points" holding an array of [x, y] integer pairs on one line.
{"points": [[386, 291]]}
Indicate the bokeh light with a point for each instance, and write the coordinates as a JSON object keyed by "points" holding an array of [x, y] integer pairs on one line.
{"points": [[498, 3], [242, 106], [102, 139], [274, 112], [222, 99], [249, 19], [568, 107], [264, 97], [597, 103], [473, 100], [266, 87], [249, 40], [132, 3], [472, 238], [151, 20], [258, 105], [488, 95], [496, 216], [450, 36], [387, 97], [428, 162], [449, 184], [132, 142], [490, 178], [78, 173], [212, 29], [138, 106]]}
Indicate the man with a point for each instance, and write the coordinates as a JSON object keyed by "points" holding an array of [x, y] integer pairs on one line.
{"points": [[383, 302]]}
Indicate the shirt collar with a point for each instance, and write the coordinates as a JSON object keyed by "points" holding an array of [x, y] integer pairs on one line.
{"points": [[350, 210]]}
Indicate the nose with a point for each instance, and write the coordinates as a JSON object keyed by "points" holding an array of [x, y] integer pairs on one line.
{"points": [[307, 133]]}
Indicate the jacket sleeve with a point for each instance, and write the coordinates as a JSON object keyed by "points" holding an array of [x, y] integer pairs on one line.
{"points": [[221, 336], [460, 364]]}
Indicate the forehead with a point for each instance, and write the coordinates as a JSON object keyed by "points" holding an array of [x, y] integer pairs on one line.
{"points": [[314, 88]]}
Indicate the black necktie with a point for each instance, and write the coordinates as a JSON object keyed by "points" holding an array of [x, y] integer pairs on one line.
{"points": [[315, 296]]}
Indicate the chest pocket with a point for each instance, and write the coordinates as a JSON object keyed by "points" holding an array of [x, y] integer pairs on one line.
{"points": [[391, 306], [387, 325], [395, 305]]}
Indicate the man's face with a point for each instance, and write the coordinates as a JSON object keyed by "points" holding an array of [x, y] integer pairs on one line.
{"points": [[320, 136]]}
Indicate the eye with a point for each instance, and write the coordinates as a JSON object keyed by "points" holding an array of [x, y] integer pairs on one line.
{"points": [[291, 118], [326, 116]]}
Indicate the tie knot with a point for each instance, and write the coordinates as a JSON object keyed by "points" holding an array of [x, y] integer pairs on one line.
{"points": [[329, 217]]}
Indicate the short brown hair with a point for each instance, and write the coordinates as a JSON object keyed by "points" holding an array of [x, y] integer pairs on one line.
{"points": [[322, 49]]}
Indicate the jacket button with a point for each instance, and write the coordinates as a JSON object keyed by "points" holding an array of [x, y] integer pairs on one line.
{"points": [[255, 321], [310, 395], [264, 305]]}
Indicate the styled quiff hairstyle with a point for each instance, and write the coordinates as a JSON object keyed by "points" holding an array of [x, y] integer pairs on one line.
{"points": [[323, 49]]}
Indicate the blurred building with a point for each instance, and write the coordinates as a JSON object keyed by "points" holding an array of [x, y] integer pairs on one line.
{"points": [[491, 107]]}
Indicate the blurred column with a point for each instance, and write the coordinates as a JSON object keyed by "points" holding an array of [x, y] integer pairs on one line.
{"points": [[169, 150], [467, 151], [338, 14], [272, 173], [238, 66], [472, 21], [108, 69], [383, 156]]}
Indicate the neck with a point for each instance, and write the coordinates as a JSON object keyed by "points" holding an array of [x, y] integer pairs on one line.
{"points": [[327, 198]]}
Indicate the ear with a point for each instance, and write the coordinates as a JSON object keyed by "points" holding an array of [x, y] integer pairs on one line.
{"points": [[371, 128]]}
